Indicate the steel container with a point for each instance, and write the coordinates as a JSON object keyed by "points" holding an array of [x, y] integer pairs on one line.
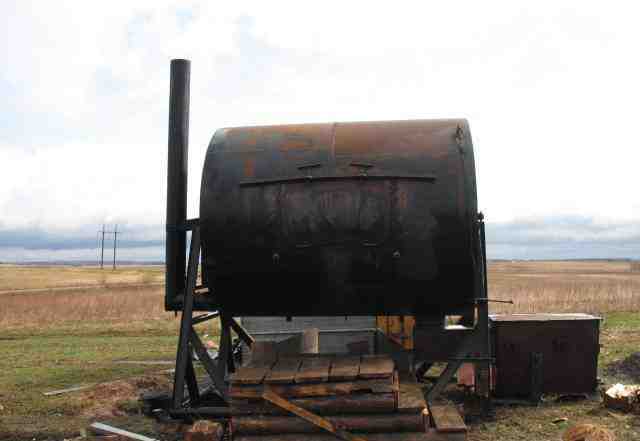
{"points": [[340, 219], [566, 344]]}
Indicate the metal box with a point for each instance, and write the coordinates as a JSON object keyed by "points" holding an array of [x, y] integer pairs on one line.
{"points": [[568, 343]]}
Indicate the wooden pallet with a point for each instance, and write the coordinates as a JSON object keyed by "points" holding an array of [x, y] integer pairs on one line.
{"points": [[361, 394]]}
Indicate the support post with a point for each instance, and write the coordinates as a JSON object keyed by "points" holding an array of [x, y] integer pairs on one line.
{"points": [[224, 349], [483, 382], [186, 321], [115, 245], [102, 249], [192, 383]]}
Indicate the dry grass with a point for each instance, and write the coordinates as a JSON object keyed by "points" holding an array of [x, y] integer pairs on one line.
{"points": [[18, 277], [99, 305], [593, 287]]}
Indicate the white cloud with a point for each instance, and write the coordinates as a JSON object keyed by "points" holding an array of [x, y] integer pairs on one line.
{"points": [[550, 92]]}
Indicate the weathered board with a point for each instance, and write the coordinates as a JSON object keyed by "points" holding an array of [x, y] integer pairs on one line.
{"points": [[284, 371], [251, 374], [375, 366], [310, 417], [410, 395], [429, 435], [446, 418], [386, 385], [345, 368], [363, 423], [331, 405], [314, 369], [105, 429]]}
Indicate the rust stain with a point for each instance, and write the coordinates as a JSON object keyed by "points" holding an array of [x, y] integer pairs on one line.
{"points": [[249, 167], [402, 197]]}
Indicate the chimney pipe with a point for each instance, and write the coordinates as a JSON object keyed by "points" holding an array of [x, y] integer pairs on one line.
{"points": [[175, 256]]}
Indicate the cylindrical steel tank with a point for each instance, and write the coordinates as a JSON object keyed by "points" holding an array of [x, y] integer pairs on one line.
{"points": [[341, 219]]}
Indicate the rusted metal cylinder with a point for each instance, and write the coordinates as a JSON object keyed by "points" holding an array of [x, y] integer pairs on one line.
{"points": [[341, 219], [175, 247]]}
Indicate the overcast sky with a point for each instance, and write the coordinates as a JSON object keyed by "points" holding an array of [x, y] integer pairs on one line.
{"points": [[551, 93]]}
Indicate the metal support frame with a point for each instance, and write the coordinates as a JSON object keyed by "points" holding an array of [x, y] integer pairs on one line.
{"points": [[476, 346], [189, 342]]}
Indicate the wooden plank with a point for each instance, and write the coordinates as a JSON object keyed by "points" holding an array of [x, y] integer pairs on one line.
{"points": [[110, 430], [364, 423], [284, 371], [255, 371], [276, 399], [147, 362], [429, 435], [314, 369], [344, 368], [251, 374], [331, 405], [376, 366], [410, 394], [386, 385], [64, 391], [447, 418]]}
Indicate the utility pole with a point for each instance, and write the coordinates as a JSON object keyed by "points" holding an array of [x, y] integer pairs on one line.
{"points": [[102, 249], [115, 241], [115, 233]]}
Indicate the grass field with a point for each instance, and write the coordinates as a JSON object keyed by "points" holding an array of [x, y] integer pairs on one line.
{"points": [[596, 287], [68, 326]]}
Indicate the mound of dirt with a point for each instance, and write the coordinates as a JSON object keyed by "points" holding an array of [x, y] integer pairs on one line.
{"points": [[628, 368], [106, 399]]}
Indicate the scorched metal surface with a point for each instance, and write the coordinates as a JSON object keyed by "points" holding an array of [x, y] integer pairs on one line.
{"points": [[340, 219]]}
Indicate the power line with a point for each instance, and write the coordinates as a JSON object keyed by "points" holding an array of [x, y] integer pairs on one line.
{"points": [[102, 249], [115, 233]]}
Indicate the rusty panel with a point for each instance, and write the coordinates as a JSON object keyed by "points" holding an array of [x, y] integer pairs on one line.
{"points": [[569, 345]]}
